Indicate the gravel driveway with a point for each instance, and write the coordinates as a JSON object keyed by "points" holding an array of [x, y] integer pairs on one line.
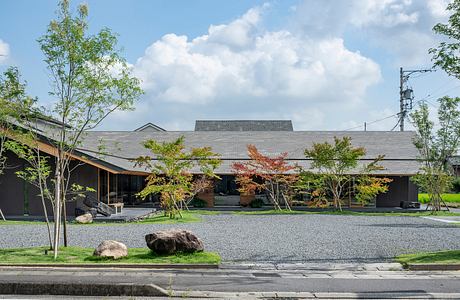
{"points": [[280, 238]]}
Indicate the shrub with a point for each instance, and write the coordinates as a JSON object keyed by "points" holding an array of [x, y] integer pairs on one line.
{"points": [[456, 185], [198, 202], [257, 203]]}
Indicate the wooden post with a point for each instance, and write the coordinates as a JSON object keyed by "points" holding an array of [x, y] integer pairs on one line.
{"points": [[108, 188]]}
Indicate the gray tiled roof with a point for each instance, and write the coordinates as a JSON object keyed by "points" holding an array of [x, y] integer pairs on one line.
{"points": [[149, 127], [243, 125], [400, 153]]}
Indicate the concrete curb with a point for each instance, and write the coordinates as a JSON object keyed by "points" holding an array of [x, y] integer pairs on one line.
{"points": [[114, 266], [313, 295], [432, 267], [80, 289]]}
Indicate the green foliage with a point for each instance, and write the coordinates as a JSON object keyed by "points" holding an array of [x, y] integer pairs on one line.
{"points": [[171, 175], [435, 147], [257, 203], [90, 79], [456, 185], [14, 105], [335, 168], [446, 55], [198, 202], [369, 187]]}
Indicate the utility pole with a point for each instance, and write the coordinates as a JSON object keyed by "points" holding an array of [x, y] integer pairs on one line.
{"points": [[406, 94]]}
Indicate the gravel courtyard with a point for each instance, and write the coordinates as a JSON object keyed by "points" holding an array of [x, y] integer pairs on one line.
{"points": [[276, 238]]}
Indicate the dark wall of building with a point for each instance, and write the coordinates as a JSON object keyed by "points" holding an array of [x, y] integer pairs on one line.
{"points": [[86, 176], [19, 198], [12, 188], [400, 189]]}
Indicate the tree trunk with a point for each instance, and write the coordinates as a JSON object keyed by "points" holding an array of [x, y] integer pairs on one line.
{"points": [[57, 210], [45, 211], [64, 221]]}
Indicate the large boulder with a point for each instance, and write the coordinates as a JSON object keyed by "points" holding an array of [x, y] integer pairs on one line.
{"points": [[84, 219], [111, 249], [173, 241]]}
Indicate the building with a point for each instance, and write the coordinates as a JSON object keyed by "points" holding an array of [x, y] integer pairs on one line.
{"points": [[115, 177]]}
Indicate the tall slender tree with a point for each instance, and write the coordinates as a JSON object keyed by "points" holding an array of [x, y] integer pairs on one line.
{"points": [[89, 80], [435, 147], [446, 54]]}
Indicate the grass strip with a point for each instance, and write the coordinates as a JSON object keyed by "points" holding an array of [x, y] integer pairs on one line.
{"points": [[438, 257], [190, 216], [78, 255], [451, 198]]}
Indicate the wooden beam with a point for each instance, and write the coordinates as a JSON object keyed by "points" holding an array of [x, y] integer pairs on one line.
{"points": [[98, 185]]}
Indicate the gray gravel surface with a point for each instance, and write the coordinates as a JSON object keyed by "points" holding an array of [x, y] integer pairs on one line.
{"points": [[275, 238]]}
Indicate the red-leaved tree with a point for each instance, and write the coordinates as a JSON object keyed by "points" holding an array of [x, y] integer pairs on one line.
{"points": [[274, 175]]}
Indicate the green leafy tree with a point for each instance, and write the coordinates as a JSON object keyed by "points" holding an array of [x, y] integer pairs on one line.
{"points": [[446, 54], [14, 106], [89, 80], [334, 168], [171, 176], [435, 147]]}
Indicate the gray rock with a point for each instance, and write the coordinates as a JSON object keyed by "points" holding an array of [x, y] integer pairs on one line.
{"points": [[84, 219], [111, 249], [173, 241]]}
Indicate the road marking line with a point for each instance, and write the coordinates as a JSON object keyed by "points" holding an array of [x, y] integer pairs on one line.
{"points": [[442, 220]]}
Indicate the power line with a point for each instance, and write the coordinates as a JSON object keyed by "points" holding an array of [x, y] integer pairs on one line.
{"points": [[372, 122], [397, 123]]}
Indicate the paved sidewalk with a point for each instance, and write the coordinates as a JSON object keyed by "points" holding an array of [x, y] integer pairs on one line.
{"points": [[248, 281]]}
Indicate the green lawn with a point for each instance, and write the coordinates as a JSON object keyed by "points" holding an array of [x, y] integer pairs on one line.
{"points": [[187, 217], [441, 257], [77, 255], [449, 198]]}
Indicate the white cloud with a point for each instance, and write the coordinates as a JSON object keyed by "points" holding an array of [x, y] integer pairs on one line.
{"points": [[241, 70], [402, 27], [4, 51], [304, 70], [438, 8]]}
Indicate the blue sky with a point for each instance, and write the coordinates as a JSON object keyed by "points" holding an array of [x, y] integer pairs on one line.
{"points": [[327, 65]]}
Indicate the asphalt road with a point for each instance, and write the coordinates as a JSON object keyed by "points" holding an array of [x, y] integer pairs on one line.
{"points": [[277, 238], [188, 282]]}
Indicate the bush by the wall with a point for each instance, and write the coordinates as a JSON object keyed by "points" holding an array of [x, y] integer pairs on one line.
{"points": [[456, 185], [257, 203], [198, 202]]}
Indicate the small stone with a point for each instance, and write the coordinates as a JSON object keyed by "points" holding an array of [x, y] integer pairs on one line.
{"points": [[111, 249], [84, 219], [173, 241]]}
